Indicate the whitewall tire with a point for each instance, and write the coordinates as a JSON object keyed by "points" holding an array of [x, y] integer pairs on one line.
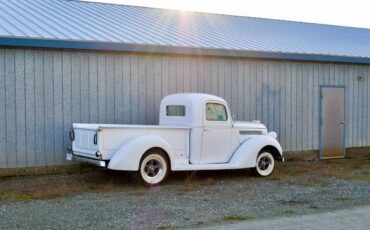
{"points": [[265, 164], [154, 167]]}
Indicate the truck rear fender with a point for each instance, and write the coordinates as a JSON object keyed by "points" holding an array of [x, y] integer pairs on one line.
{"points": [[128, 156], [246, 155]]}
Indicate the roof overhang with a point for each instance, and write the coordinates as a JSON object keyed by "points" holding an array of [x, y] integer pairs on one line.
{"points": [[112, 46]]}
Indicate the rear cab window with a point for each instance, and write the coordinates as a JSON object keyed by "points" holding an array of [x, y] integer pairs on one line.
{"points": [[175, 110]]}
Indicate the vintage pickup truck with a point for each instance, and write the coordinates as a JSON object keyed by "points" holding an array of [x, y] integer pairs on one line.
{"points": [[195, 132]]}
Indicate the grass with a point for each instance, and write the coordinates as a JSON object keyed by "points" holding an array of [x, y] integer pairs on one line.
{"points": [[342, 199], [290, 212], [230, 218], [49, 187], [193, 182], [303, 173], [4, 196], [352, 169]]}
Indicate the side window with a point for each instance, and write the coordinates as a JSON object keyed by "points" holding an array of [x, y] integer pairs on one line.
{"points": [[215, 112], [175, 110]]}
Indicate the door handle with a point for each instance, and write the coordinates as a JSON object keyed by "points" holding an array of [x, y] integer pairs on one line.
{"points": [[342, 122], [205, 130]]}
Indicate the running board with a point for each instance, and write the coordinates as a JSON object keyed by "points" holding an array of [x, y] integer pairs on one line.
{"points": [[190, 167]]}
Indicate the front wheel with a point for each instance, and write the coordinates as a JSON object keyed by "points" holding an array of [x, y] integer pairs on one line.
{"points": [[154, 167], [265, 164]]}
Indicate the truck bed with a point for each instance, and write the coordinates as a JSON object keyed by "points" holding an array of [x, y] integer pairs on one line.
{"points": [[109, 137]]}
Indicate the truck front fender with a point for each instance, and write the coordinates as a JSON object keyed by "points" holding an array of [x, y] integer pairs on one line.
{"points": [[246, 155], [128, 155]]}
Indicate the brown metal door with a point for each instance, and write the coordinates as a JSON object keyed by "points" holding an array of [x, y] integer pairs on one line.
{"points": [[332, 122]]}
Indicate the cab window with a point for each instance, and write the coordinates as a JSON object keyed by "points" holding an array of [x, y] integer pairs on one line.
{"points": [[175, 110], [215, 112]]}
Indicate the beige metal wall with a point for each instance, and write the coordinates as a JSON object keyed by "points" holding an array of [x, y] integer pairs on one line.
{"points": [[43, 91]]}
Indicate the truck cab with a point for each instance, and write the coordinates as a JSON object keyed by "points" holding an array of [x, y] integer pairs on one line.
{"points": [[195, 132]]}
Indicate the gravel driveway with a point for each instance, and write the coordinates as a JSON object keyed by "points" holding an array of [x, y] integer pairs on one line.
{"points": [[353, 218], [111, 200]]}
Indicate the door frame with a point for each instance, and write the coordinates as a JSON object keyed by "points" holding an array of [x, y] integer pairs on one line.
{"points": [[321, 120], [205, 122]]}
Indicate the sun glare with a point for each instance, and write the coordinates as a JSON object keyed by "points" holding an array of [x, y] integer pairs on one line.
{"points": [[341, 12]]}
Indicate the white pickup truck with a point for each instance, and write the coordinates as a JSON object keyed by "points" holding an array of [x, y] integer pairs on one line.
{"points": [[195, 132]]}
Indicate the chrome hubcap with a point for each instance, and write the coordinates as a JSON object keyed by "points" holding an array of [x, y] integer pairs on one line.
{"points": [[153, 168], [264, 163]]}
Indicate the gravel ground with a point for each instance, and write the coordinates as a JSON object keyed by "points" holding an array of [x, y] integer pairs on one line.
{"points": [[186, 200], [343, 219]]}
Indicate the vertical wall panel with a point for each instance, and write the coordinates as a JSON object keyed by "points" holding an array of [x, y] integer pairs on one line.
{"points": [[276, 97], [134, 89], [293, 107], [179, 76], [259, 90], [30, 107], [253, 91], [44, 91], [20, 108], [233, 88], [93, 87], [58, 106], [143, 66], [246, 92], [102, 89], [40, 110], [3, 157], [227, 83], [214, 76], [158, 86], [150, 110], [49, 107], [240, 89], [273, 95], [76, 86], [315, 104], [85, 99], [283, 104], [67, 101], [10, 108], [165, 76], [350, 92], [200, 75], [187, 75], [367, 82], [208, 76], [172, 81], [109, 69], [305, 100], [126, 64], [221, 78], [118, 90]]}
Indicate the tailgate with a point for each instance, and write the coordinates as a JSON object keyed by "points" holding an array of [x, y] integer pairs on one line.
{"points": [[85, 141]]}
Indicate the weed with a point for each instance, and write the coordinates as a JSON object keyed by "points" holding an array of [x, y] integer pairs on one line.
{"points": [[342, 199], [290, 212], [14, 196], [237, 218]]}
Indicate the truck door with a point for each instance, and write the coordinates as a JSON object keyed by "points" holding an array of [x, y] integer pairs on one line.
{"points": [[216, 141]]}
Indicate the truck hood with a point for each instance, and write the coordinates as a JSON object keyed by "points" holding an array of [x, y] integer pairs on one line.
{"points": [[248, 125]]}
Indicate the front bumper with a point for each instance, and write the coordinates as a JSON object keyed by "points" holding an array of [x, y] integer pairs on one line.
{"points": [[70, 156]]}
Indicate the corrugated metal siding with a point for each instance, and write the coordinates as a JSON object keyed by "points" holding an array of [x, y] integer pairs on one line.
{"points": [[65, 20], [43, 91]]}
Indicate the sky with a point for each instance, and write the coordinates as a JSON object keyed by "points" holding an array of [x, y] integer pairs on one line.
{"points": [[353, 13]]}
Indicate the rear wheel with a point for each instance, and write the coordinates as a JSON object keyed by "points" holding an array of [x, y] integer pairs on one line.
{"points": [[265, 164], [154, 167]]}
